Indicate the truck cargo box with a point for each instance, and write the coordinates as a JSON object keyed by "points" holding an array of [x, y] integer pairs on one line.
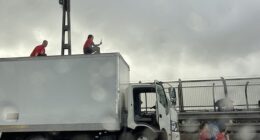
{"points": [[62, 93]]}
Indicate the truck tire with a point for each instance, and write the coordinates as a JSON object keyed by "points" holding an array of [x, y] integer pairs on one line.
{"points": [[146, 134], [82, 137], [163, 136]]}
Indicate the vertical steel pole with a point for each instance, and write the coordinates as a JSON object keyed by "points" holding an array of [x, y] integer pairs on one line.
{"points": [[66, 27], [214, 100], [146, 103], [225, 87], [246, 87], [180, 94]]}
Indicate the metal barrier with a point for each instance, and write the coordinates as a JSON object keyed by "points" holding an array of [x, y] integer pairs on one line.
{"points": [[202, 95]]}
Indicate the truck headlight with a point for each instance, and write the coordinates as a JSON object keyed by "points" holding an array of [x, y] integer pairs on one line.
{"points": [[174, 126]]}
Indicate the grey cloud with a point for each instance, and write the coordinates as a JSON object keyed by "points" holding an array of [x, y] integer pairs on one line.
{"points": [[164, 39], [22, 22]]}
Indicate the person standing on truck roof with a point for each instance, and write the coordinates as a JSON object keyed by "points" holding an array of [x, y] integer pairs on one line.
{"points": [[90, 47], [40, 49]]}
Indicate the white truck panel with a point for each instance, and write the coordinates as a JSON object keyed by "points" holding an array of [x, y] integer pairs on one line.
{"points": [[62, 93]]}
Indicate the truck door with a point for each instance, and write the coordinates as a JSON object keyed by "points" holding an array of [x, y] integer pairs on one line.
{"points": [[163, 111]]}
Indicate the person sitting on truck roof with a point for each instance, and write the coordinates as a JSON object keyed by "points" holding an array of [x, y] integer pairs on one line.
{"points": [[40, 49], [90, 47]]}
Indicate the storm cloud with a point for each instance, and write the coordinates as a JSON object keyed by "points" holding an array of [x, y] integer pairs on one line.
{"points": [[160, 39]]}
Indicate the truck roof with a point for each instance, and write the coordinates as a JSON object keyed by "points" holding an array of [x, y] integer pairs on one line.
{"points": [[62, 57]]}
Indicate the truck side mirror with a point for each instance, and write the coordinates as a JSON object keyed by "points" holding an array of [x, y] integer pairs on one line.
{"points": [[172, 94]]}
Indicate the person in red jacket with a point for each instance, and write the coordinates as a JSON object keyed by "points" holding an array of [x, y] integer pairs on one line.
{"points": [[40, 49], [222, 135], [90, 47], [204, 132]]}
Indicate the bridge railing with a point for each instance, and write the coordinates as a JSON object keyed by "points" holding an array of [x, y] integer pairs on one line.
{"points": [[202, 95]]}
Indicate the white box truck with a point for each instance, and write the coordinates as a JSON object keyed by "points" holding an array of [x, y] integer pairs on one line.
{"points": [[81, 97]]}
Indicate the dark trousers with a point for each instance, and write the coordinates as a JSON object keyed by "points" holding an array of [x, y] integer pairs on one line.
{"points": [[87, 51], [91, 50]]}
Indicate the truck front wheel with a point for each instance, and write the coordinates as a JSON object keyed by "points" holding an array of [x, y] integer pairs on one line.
{"points": [[163, 136], [146, 134]]}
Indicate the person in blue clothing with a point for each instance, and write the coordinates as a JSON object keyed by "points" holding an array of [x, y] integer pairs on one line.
{"points": [[213, 130]]}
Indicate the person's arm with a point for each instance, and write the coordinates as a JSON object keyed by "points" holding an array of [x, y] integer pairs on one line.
{"points": [[96, 45], [32, 53], [227, 137]]}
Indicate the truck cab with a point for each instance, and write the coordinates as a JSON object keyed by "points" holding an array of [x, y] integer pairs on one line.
{"points": [[151, 114]]}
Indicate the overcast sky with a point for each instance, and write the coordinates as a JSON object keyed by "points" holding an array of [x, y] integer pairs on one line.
{"points": [[160, 39]]}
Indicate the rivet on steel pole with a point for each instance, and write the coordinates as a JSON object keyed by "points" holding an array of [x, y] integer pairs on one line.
{"points": [[66, 27]]}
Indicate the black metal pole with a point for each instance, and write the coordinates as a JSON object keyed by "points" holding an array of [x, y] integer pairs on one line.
{"points": [[225, 87], [180, 94], [214, 100], [66, 27], [246, 87]]}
